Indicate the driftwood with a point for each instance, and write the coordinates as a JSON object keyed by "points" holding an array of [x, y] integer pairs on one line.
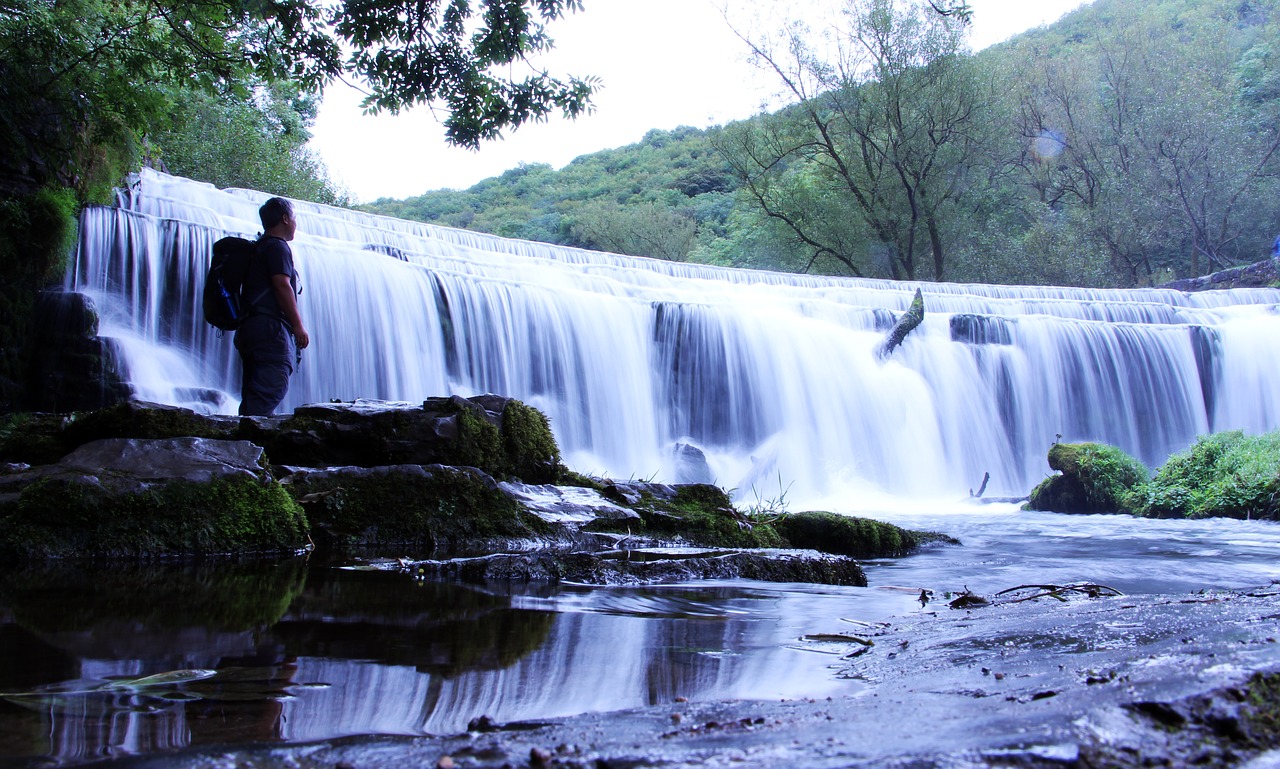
{"points": [[909, 320], [983, 488]]}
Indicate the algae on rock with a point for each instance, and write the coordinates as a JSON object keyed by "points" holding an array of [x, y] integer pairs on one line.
{"points": [[427, 506], [1095, 478], [851, 536]]}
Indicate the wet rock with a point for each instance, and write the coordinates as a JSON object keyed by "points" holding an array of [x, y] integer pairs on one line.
{"points": [[567, 504], [851, 536], [651, 566], [981, 329], [691, 464], [501, 436], [72, 368], [426, 506], [1095, 478]]}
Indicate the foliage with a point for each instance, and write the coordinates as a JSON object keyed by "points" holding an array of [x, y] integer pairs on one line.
{"points": [[665, 196], [1126, 144], [83, 77], [256, 142], [1227, 474]]}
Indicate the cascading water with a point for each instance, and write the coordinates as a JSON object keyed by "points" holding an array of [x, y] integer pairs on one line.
{"points": [[773, 376]]}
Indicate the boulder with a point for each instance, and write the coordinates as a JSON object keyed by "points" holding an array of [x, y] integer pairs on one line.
{"points": [[141, 498], [426, 507], [651, 566], [1094, 478], [691, 464], [501, 436], [853, 537]]}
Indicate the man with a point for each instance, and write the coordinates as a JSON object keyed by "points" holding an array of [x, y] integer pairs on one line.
{"points": [[271, 335]]}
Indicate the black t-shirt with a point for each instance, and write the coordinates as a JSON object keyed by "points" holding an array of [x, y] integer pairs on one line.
{"points": [[273, 257]]}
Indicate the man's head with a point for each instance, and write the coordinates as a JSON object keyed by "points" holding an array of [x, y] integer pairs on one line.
{"points": [[277, 218]]}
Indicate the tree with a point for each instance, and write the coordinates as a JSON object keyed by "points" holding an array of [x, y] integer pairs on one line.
{"points": [[259, 142], [644, 229], [1162, 129], [80, 74], [880, 145]]}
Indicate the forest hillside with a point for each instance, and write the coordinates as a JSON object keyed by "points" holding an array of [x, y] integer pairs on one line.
{"points": [[1130, 143]]}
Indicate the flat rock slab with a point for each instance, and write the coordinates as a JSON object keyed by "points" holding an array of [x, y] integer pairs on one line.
{"points": [[651, 566], [1117, 682], [566, 504], [130, 464]]}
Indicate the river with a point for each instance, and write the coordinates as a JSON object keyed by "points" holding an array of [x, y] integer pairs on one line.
{"points": [[298, 652]]}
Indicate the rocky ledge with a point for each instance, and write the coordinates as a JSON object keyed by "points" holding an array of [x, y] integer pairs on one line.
{"points": [[474, 484]]}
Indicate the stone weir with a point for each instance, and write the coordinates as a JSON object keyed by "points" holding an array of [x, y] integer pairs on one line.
{"points": [[472, 486]]}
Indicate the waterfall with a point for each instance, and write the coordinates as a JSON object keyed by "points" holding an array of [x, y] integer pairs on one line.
{"points": [[772, 376]]}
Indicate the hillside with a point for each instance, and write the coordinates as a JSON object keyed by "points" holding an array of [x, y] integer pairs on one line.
{"points": [[1129, 143]]}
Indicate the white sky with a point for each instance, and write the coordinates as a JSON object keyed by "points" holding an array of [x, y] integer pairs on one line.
{"points": [[662, 63]]}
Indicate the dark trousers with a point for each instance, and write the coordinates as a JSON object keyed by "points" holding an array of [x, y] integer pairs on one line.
{"points": [[267, 354]]}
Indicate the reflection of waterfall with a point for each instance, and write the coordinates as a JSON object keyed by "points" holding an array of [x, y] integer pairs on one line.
{"points": [[589, 663], [771, 375]]}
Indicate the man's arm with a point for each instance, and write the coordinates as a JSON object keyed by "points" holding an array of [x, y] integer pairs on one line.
{"points": [[289, 306]]}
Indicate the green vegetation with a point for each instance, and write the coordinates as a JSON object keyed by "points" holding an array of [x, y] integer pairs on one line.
{"points": [[854, 537], [432, 508], [58, 519], [1095, 478], [1128, 144], [1228, 475]]}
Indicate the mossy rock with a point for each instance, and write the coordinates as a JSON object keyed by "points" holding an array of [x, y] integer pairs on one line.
{"points": [[1095, 478], [430, 507], [501, 436], [33, 439], [61, 518], [854, 537], [697, 513], [38, 439]]}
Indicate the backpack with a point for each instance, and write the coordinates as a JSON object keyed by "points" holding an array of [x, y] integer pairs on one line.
{"points": [[223, 307]]}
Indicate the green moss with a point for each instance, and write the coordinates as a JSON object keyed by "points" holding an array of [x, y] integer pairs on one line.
{"points": [[63, 519], [1262, 712], [1096, 478], [531, 451], [44, 438], [436, 507], [700, 514], [152, 421], [479, 442], [1229, 475], [854, 537], [35, 439]]}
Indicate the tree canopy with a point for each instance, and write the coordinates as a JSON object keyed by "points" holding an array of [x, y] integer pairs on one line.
{"points": [[83, 78]]}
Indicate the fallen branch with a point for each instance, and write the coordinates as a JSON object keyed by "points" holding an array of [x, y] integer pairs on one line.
{"points": [[913, 317]]}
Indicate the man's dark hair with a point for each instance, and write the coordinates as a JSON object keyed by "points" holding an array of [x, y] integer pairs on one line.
{"points": [[273, 211]]}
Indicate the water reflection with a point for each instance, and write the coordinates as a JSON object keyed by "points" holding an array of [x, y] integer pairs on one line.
{"points": [[295, 653], [299, 652]]}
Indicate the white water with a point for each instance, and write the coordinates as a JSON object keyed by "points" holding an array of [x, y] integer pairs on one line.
{"points": [[773, 376]]}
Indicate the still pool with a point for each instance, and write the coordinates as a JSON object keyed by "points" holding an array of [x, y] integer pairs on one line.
{"points": [[302, 650]]}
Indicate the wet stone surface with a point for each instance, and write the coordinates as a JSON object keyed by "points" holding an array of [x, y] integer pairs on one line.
{"points": [[1118, 681]]}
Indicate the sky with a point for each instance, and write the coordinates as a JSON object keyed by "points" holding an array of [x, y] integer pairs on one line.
{"points": [[662, 63]]}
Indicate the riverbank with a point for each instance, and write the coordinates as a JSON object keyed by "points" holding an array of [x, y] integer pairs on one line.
{"points": [[1085, 682]]}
